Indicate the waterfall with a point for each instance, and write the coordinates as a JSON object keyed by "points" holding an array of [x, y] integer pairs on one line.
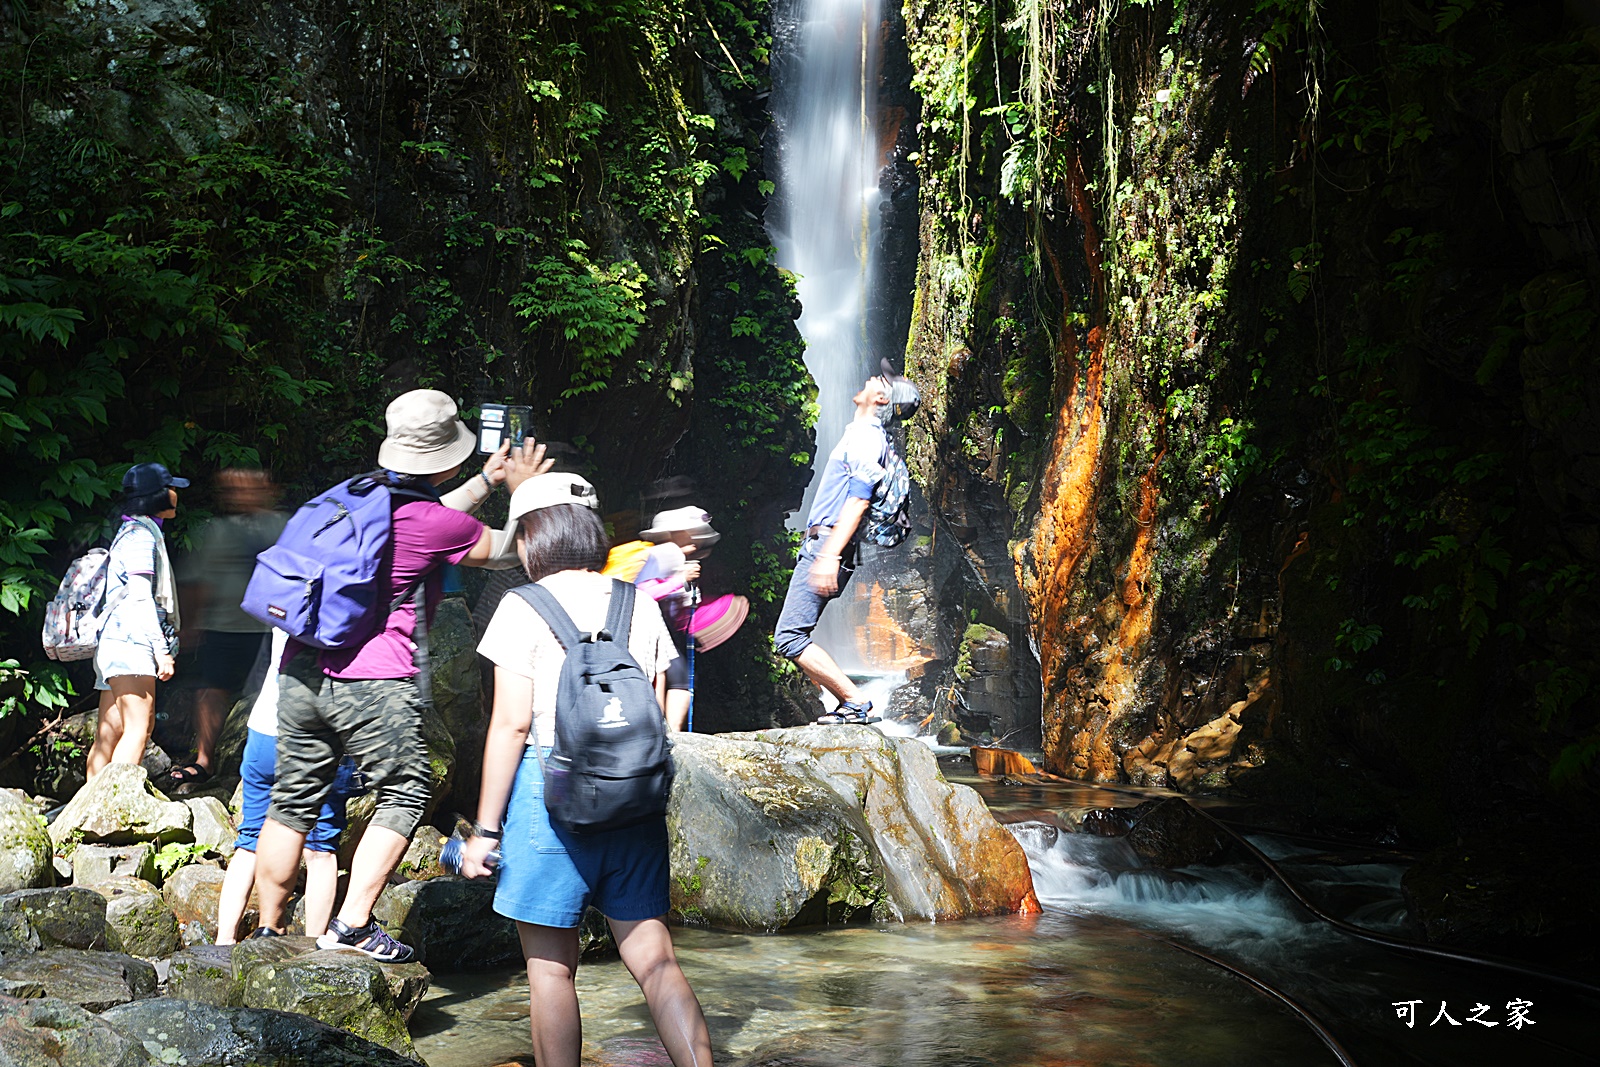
{"points": [[824, 221]]}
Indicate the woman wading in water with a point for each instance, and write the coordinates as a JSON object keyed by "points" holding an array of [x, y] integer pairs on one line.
{"points": [[547, 875]]}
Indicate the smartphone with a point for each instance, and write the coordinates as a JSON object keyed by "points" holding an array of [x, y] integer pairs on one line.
{"points": [[502, 422]]}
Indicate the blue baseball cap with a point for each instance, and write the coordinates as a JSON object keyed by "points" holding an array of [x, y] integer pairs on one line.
{"points": [[144, 479]]}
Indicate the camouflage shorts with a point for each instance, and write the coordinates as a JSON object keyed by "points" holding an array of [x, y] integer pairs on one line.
{"points": [[377, 722]]}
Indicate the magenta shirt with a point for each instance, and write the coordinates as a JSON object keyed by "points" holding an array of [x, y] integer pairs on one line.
{"points": [[425, 535]]}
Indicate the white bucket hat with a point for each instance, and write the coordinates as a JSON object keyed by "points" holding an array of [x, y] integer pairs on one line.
{"points": [[691, 520], [546, 491], [425, 436]]}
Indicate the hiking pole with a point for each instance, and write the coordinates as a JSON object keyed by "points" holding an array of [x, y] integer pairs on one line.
{"points": [[694, 602]]}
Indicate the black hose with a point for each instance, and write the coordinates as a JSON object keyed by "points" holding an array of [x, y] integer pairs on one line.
{"points": [[1398, 943], [1270, 990]]}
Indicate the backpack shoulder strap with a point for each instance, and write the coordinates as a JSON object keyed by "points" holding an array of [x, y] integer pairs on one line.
{"points": [[549, 608], [619, 619]]}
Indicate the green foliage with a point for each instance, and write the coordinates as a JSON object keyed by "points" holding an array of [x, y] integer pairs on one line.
{"points": [[176, 854], [45, 686], [598, 311]]}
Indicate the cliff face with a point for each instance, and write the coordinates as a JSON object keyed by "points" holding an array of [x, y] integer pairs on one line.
{"points": [[235, 231], [1256, 344]]}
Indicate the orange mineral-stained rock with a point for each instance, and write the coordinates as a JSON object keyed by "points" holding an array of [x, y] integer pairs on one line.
{"points": [[824, 823]]}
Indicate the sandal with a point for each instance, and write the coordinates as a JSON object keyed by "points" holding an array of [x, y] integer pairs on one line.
{"points": [[847, 714], [189, 774]]}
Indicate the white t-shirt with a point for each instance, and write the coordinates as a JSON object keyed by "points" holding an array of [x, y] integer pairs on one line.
{"points": [[264, 712], [519, 639]]}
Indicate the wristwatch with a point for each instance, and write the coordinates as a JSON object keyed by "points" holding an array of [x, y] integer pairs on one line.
{"points": [[483, 831]]}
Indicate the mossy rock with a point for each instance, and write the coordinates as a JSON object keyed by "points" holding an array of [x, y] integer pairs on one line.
{"points": [[140, 918]]}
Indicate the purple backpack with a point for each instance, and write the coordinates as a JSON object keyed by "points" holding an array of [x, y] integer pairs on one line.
{"points": [[319, 583]]}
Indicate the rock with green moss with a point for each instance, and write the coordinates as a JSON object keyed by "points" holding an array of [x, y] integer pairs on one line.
{"points": [[52, 1031], [26, 852], [192, 892], [119, 806], [68, 917], [190, 1032], [827, 824], [97, 863], [344, 989], [140, 917], [205, 973], [94, 981]]}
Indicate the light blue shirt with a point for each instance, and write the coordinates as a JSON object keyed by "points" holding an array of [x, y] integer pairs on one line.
{"points": [[854, 469]]}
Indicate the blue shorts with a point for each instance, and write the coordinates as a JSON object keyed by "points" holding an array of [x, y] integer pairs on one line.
{"points": [[548, 876], [802, 605], [258, 769]]}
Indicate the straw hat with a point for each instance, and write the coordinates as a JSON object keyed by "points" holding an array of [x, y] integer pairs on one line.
{"points": [[425, 436], [690, 520]]}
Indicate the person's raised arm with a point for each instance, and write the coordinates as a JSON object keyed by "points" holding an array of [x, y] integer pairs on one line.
{"points": [[503, 747], [495, 548]]}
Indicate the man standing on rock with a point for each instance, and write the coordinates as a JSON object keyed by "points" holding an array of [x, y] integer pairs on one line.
{"points": [[856, 468], [364, 700]]}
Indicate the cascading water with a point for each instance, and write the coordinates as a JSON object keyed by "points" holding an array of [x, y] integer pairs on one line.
{"points": [[824, 225]]}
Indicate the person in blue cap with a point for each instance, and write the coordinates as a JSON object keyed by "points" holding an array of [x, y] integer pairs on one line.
{"points": [[139, 635]]}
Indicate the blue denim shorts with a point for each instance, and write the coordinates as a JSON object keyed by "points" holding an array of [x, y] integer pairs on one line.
{"points": [[548, 876], [258, 769], [802, 605], [113, 659]]}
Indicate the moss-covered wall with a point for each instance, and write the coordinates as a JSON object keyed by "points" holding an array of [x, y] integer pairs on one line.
{"points": [[1256, 344]]}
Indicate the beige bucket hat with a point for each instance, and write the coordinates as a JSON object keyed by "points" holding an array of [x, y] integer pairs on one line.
{"points": [[425, 434]]}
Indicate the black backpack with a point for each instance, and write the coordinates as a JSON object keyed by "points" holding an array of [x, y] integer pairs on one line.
{"points": [[611, 766]]}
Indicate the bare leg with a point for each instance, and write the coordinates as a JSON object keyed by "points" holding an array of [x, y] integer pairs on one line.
{"points": [[552, 955], [677, 709], [235, 896], [646, 949], [107, 730], [821, 669], [322, 885], [277, 867], [376, 857], [136, 704], [209, 707]]}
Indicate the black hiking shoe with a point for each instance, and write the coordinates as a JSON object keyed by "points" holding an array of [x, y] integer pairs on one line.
{"points": [[371, 939], [850, 715], [262, 931]]}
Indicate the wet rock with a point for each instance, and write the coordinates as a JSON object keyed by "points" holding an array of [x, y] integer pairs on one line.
{"points": [[1169, 833], [344, 989], [51, 1031], [211, 825], [139, 916], [422, 855], [457, 703], [205, 973], [92, 980], [191, 1032], [193, 893], [119, 806], [98, 863], [68, 917], [1106, 822], [26, 853], [825, 824]]}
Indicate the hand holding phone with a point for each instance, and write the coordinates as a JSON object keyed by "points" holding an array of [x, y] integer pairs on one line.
{"points": [[501, 423]]}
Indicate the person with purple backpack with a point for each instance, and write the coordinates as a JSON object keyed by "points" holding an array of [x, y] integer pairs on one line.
{"points": [[365, 698]]}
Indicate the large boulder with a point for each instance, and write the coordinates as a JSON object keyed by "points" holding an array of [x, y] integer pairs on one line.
{"points": [[98, 863], [450, 921], [68, 917], [457, 703], [189, 1032], [53, 1032], [94, 981], [193, 892], [826, 823], [119, 806], [26, 852], [140, 917], [345, 989]]}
